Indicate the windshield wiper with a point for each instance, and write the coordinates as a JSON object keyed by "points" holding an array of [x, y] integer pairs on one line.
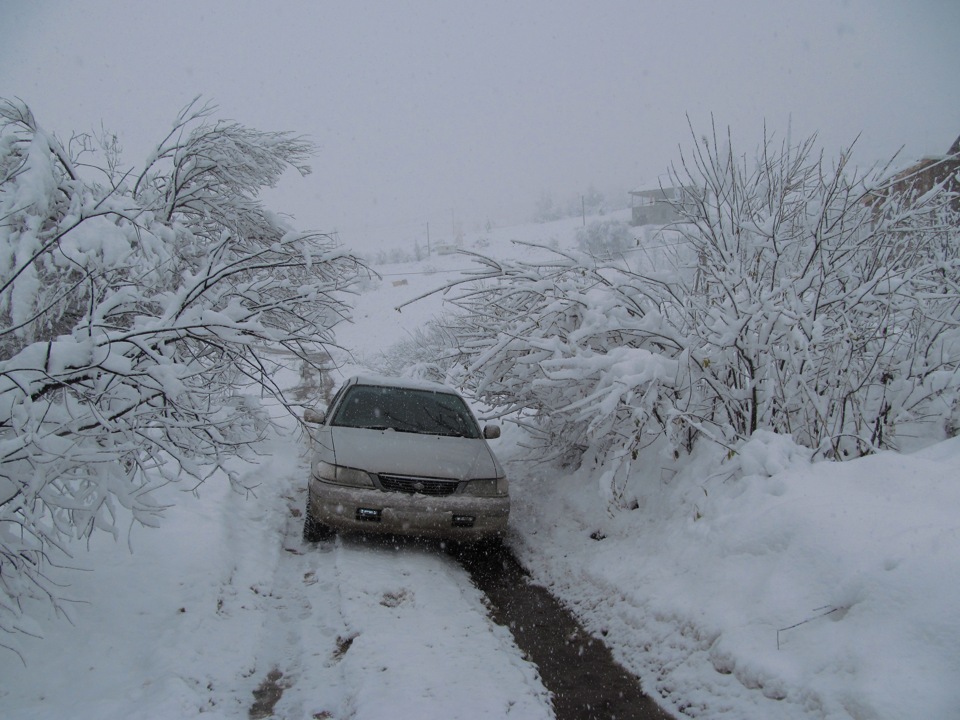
{"points": [[451, 431]]}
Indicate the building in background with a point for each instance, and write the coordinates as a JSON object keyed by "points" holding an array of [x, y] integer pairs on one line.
{"points": [[654, 205]]}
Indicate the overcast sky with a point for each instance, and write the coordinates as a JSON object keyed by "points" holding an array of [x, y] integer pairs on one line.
{"points": [[434, 111]]}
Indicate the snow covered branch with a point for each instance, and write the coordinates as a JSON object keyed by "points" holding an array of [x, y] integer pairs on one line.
{"points": [[131, 319], [804, 299]]}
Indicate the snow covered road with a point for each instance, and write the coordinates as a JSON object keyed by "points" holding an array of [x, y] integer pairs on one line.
{"points": [[225, 611]]}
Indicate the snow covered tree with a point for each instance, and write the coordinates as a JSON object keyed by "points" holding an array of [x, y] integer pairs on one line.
{"points": [[546, 210], [823, 305], [606, 238], [804, 299], [577, 353], [592, 201], [134, 306]]}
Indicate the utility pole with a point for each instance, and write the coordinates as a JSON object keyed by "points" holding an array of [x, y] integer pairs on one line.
{"points": [[583, 210], [428, 239]]}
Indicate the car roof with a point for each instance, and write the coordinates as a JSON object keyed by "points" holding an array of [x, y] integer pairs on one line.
{"points": [[405, 383]]}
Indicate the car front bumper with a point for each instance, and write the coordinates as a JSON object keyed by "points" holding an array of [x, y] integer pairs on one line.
{"points": [[453, 517]]}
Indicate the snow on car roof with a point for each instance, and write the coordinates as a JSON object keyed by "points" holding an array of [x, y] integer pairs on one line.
{"points": [[409, 383]]}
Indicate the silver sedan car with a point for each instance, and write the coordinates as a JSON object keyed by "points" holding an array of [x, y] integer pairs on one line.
{"points": [[403, 457]]}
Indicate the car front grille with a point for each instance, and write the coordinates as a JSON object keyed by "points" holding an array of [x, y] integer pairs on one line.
{"points": [[416, 485]]}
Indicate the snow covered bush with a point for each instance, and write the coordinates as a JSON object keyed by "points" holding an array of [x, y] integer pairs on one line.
{"points": [[133, 306], [563, 350], [605, 238], [822, 305], [429, 354], [802, 299]]}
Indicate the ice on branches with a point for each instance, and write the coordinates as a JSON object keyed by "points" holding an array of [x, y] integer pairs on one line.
{"points": [[133, 308]]}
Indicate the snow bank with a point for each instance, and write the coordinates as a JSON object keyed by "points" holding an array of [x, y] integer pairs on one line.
{"points": [[765, 586]]}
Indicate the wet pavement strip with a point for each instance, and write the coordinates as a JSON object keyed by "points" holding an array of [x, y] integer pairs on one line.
{"points": [[586, 682]]}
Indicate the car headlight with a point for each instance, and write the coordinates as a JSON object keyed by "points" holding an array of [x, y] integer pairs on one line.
{"points": [[488, 487], [339, 475]]}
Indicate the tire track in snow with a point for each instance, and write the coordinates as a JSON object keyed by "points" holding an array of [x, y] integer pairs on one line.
{"points": [[421, 643], [297, 656], [579, 670]]}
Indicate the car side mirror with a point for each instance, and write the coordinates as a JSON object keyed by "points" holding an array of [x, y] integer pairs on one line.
{"points": [[491, 432], [317, 417]]}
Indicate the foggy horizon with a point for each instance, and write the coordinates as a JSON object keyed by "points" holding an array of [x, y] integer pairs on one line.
{"points": [[428, 113]]}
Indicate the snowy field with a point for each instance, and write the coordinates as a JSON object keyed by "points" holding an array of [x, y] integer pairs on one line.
{"points": [[759, 587]]}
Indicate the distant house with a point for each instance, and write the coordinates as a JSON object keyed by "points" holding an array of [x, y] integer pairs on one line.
{"points": [[451, 247], [652, 205], [929, 172]]}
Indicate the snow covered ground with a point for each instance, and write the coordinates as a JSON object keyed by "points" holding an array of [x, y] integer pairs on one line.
{"points": [[761, 586], [796, 591], [225, 596]]}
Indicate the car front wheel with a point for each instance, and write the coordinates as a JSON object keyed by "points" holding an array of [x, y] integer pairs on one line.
{"points": [[313, 529]]}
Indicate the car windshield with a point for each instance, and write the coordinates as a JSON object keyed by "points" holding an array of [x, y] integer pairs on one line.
{"points": [[405, 410]]}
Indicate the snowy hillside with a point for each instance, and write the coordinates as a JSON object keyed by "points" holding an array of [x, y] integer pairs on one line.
{"points": [[756, 585]]}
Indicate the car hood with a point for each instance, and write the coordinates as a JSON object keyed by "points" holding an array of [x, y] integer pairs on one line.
{"points": [[388, 451]]}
